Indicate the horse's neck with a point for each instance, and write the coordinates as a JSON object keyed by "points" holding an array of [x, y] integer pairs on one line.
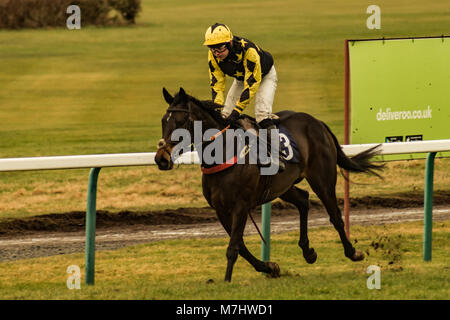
{"points": [[216, 147]]}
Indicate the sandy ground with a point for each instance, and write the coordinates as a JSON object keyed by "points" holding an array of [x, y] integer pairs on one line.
{"points": [[36, 237]]}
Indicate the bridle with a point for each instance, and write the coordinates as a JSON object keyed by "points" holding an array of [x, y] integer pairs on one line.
{"points": [[177, 109], [162, 143]]}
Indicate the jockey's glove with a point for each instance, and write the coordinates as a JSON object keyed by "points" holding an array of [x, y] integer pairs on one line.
{"points": [[233, 117]]}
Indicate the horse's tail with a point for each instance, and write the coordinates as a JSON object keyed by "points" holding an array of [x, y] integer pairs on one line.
{"points": [[358, 163]]}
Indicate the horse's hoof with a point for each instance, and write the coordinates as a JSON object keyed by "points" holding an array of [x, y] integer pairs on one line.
{"points": [[274, 269], [311, 257], [357, 256]]}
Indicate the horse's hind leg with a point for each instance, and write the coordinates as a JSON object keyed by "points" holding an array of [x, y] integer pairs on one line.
{"points": [[324, 186], [300, 198]]}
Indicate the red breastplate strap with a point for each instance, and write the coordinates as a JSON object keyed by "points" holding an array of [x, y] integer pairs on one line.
{"points": [[220, 167]]}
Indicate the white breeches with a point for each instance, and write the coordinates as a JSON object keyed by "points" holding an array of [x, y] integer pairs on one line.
{"points": [[263, 99]]}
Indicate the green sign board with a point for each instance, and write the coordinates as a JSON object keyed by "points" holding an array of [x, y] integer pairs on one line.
{"points": [[399, 91]]}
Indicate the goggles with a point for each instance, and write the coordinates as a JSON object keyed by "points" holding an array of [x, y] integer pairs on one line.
{"points": [[218, 48]]}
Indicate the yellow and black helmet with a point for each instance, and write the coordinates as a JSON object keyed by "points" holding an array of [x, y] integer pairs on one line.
{"points": [[216, 34]]}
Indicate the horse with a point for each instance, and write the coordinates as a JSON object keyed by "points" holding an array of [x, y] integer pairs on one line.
{"points": [[237, 190]]}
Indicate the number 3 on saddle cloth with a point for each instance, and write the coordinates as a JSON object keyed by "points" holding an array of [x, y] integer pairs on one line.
{"points": [[288, 147], [288, 150]]}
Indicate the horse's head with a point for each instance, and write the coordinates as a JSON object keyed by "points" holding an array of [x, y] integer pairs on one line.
{"points": [[176, 117], [183, 110]]}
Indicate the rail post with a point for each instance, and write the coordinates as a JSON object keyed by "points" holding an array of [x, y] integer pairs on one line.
{"points": [[90, 225], [265, 221], [428, 207]]}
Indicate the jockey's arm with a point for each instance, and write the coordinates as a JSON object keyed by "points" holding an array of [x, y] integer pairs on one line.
{"points": [[216, 80], [252, 79]]}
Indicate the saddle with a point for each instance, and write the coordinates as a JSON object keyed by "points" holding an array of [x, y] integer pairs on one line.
{"points": [[288, 146]]}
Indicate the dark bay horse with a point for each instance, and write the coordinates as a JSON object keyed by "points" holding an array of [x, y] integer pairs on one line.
{"points": [[234, 192]]}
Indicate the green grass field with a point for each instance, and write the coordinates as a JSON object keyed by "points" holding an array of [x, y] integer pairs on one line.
{"points": [[194, 269], [98, 90]]}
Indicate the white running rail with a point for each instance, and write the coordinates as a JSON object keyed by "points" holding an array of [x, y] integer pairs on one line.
{"points": [[148, 158]]}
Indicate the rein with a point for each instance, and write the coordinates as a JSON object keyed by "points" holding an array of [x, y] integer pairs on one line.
{"points": [[257, 229], [219, 133]]}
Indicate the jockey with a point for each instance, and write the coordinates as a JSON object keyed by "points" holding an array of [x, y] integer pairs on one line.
{"points": [[254, 74]]}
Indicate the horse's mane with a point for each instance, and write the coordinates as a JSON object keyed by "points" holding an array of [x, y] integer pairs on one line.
{"points": [[212, 108]]}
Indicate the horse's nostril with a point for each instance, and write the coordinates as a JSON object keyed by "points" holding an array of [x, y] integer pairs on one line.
{"points": [[163, 163]]}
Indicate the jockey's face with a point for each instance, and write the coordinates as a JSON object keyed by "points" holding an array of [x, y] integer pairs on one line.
{"points": [[221, 52]]}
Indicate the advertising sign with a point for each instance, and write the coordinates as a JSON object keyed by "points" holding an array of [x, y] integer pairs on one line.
{"points": [[399, 91]]}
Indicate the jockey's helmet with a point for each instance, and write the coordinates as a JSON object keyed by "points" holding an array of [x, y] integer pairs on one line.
{"points": [[216, 34]]}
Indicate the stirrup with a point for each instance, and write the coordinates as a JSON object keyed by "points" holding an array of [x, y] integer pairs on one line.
{"points": [[281, 165]]}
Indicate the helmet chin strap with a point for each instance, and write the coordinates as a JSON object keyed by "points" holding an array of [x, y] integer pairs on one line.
{"points": [[231, 53], [229, 46]]}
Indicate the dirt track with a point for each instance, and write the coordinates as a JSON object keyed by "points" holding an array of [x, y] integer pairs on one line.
{"points": [[55, 234]]}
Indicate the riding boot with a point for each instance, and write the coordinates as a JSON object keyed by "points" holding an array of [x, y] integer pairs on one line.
{"points": [[269, 125], [281, 164]]}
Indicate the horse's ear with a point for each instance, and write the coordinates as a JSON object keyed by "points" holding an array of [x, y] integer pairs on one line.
{"points": [[182, 94], [167, 96]]}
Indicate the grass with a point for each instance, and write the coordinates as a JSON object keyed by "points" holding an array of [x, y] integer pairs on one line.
{"points": [[171, 269], [98, 90]]}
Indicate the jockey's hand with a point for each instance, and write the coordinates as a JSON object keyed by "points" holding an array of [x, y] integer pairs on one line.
{"points": [[233, 117]]}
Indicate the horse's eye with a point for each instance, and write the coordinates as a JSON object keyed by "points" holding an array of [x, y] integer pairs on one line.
{"points": [[161, 143]]}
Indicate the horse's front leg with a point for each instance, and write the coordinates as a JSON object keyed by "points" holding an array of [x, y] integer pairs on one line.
{"points": [[271, 268], [239, 219]]}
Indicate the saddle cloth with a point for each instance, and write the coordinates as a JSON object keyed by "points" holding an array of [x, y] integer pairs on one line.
{"points": [[288, 149], [288, 146]]}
